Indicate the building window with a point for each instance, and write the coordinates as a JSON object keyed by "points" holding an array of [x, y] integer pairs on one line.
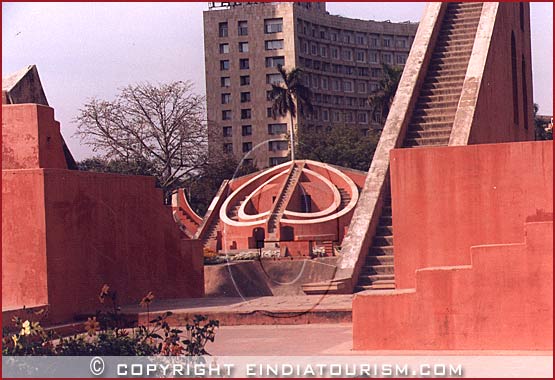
{"points": [[246, 113], [246, 130], [386, 42], [277, 160], [401, 43], [248, 162], [349, 118], [347, 55], [245, 80], [273, 25], [225, 81], [374, 41], [243, 47], [375, 72], [360, 56], [362, 118], [277, 129], [325, 115], [361, 87], [401, 59], [273, 44], [323, 51], [274, 78], [245, 97], [336, 116], [242, 28], [244, 64], [313, 49], [324, 83], [222, 29], [277, 145], [226, 98], [373, 57], [347, 38], [247, 147], [274, 61], [269, 112], [360, 40], [224, 64], [224, 48], [228, 148], [334, 53], [386, 57], [227, 131], [226, 115]]}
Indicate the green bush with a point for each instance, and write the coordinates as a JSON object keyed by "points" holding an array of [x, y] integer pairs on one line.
{"points": [[107, 335]]}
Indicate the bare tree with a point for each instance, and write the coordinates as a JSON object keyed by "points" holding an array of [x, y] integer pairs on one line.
{"points": [[163, 125]]}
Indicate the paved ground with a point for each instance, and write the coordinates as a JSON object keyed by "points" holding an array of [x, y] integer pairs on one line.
{"points": [[273, 310], [255, 340], [316, 340]]}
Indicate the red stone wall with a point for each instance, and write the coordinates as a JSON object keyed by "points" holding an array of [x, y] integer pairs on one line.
{"points": [[23, 239], [497, 294], [499, 126], [503, 301], [24, 144], [448, 199], [65, 233]]}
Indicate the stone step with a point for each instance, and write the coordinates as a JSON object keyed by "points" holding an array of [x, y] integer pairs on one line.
{"points": [[465, 54], [435, 111], [433, 118], [462, 17], [463, 39], [383, 241], [377, 269], [441, 92], [432, 126], [442, 133], [368, 280], [363, 288], [459, 64], [446, 71], [385, 220], [381, 251], [444, 79], [413, 143], [443, 87], [433, 102], [379, 260], [384, 230], [460, 25]]}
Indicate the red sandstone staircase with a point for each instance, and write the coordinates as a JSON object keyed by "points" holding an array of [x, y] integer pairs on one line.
{"points": [[430, 125], [284, 197]]}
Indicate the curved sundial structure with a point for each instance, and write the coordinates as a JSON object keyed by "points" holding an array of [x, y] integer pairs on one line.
{"points": [[294, 207]]}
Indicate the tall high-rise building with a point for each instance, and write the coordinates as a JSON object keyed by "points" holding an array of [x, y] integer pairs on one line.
{"points": [[341, 59]]}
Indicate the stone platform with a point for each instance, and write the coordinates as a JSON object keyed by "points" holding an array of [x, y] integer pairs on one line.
{"points": [[234, 311]]}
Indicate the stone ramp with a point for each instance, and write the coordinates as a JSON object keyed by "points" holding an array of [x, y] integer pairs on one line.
{"points": [[235, 311]]}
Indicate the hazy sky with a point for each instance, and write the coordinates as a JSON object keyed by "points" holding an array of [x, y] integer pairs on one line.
{"points": [[85, 50]]}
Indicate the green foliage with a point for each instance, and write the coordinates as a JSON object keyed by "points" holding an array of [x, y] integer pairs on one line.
{"points": [[117, 166], [381, 99], [343, 145], [540, 126], [107, 335], [289, 95], [202, 188]]}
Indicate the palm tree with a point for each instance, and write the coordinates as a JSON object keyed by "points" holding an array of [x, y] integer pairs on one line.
{"points": [[288, 96], [381, 99]]}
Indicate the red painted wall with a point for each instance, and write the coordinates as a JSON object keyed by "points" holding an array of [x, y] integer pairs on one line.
{"points": [[24, 144], [504, 301], [65, 233], [23, 239], [448, 199], [496, 127], [497, 294]]}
